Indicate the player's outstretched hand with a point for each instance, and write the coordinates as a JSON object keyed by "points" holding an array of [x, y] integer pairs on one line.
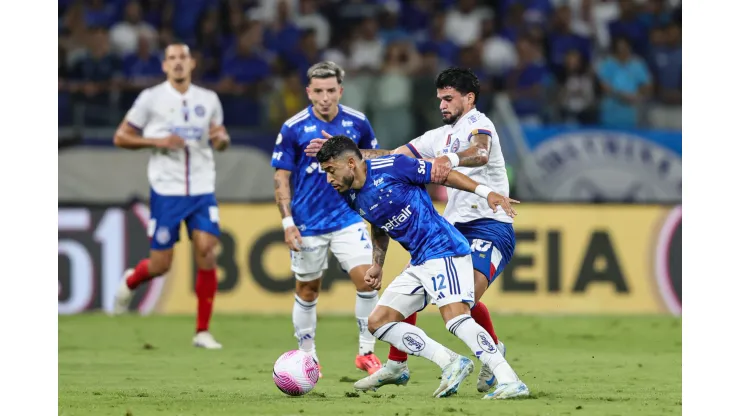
{"points": [[505, 202], [441, 167], [171, 142], [374, 276], [315, 145], [293, 238]]}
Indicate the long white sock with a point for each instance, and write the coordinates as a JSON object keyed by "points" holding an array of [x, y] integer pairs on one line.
{"points": [[478, 340], [364, 305], [412, 340], [304, 322]]}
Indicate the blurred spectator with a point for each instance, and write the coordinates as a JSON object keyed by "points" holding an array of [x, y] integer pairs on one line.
{"points": [[470, 57], [340, 52], [625, 81], [416, 15], [211, 43], [125, 35], [306, 54], [436, 41], [498, 53], [630, 27], [577, 91], [95, 76], [463, 24], [268, 11], [426, 103], [367, 49], [183, 16], [391, 98], [562, 39], [98, 13], [526, 83], [64, 104], [288, 99], [656, 14], [514, 26], [153, 11], [590, 18], [244, 77], [666, 61], [390, 31], [309, 18], [142, 69], [536, 12], [281, 35]]}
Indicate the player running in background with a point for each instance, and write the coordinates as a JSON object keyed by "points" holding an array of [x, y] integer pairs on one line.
{"points": [[467, 142], [390, 193], [179, 122], [315, 219]]}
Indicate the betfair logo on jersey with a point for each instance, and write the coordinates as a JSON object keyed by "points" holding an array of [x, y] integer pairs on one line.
{"points": [[397, 220], [277, 155], [188, 132]]}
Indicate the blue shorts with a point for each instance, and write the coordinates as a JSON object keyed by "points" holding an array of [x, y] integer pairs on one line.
{"points": [[491, 243], [200, 212]]}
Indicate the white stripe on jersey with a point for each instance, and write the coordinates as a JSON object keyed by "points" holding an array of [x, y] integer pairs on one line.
{"points": [[353, 112], [298, 117], [381, 163]]}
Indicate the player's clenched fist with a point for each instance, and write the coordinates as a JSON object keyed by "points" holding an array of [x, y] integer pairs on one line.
{"points": [[505, 202], [293, 238], [171, 142], [219, 137], [374, 276]]}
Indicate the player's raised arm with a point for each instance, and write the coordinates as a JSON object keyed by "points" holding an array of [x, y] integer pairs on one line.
{"points": [[315, 145], [462, 182], [380, 240]]}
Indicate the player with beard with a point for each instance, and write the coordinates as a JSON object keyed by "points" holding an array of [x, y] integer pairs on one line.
{"points": [[467, 143], [179, 123]]}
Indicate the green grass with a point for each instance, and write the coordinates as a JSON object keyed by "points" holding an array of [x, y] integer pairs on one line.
{"points": [[573, 366]]}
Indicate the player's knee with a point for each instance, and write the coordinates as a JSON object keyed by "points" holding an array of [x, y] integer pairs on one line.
{"points": [[158, 267], [377, 319], [308, 291]]}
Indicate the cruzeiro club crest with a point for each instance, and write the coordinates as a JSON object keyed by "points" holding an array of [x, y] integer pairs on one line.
{"points": [[668, 261]]}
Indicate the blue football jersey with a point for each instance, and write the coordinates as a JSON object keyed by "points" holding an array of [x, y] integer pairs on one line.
{"points": [[395, 199], [316, 207]]}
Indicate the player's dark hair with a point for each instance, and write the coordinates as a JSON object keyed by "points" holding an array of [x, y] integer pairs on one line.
{"points": [[463, 80], [336, 147]]}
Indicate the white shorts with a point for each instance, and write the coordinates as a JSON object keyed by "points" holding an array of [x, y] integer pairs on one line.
{"points": [[438, 281], [350, 245]]}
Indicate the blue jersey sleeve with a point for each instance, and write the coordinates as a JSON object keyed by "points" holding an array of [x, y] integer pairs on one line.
{"points": [[410, 170], [284, 154], [367, 140]]}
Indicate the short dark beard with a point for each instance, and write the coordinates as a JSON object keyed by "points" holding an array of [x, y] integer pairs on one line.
{"points": [[451, 120], [348, 180], [179, 80]]}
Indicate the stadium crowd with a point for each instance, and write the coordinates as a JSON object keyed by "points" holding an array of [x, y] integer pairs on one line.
{"points": [[560, 61]]}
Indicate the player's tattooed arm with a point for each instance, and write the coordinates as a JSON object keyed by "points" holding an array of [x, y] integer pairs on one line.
{"points": [[477, 153], [380, 245], [373, 153], [282, 191]]}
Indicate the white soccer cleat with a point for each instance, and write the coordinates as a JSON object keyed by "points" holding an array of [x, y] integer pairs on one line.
{"points": [[508, 391], [486, 379], [204, 339], [123, 295], [452, 375], [388, 374]]}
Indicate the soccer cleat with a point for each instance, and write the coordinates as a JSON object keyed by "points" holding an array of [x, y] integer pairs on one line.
{"points": [[368, 362], [508, 391], [316, 359], [486, 379], [387, 374], [123, 295], [452, 375], [204, 339]]}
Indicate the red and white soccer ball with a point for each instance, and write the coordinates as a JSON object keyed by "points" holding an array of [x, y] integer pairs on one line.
{"points": [[295, 373]]}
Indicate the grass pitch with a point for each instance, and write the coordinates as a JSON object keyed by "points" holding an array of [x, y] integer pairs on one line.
{"points": [[573, 365]]}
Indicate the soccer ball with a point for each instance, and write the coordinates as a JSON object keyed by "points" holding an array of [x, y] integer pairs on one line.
{"points": [[295, 373]]}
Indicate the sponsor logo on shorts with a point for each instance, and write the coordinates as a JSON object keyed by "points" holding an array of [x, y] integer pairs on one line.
{"points": [[413, 342], [483, 341]]}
